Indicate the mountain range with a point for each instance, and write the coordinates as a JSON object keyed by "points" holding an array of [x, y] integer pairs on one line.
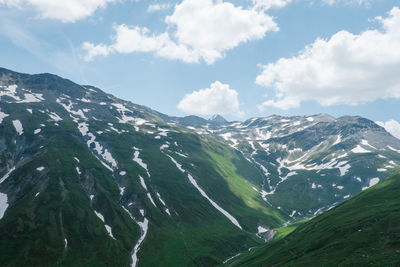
{"points": [[87, 179]]}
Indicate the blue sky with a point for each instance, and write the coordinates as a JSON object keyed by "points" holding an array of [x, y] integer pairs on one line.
{"points": [[237, 58]]}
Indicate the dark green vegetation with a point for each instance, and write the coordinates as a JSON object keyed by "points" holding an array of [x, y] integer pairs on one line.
{"points": [[98, 181], [363, 231], [64, 174]]}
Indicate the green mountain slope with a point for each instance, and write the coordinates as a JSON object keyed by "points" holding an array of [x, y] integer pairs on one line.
{"points": [[87, 179], [363, 231]]}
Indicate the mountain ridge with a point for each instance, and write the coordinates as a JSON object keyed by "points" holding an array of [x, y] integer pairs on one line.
{"points": [[140, 179]]}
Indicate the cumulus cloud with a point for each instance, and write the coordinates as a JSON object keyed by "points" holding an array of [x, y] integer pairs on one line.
{"points": [[63, 10], [392, 127], [345, 69], [218, 99], [201, 30], [133, 39]]}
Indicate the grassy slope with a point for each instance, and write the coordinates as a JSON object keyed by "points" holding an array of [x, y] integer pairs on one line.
{"points": [[196, 235], [188, 240], [362, 231], [33, 229]]}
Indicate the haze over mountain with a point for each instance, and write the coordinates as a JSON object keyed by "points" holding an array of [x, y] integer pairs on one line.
{"points": [[90, 179]]}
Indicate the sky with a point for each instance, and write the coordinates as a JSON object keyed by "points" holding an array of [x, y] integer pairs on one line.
{"points": [[237, 58]]}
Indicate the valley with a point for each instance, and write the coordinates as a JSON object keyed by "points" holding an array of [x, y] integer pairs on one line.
{"points": [[88, 179]]}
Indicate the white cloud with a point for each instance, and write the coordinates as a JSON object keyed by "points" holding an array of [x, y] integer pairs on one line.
{"points": [[158, 7], [63, 10], [214, 27], [345, 69], [267, 4], [136, 39], [95, 50], [201, 30], [392, 126], [218, 99]]}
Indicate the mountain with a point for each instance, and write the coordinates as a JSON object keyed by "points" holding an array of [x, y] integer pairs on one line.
{"points": [[363, 231], [218, 119], [311, 164], [90, 179]]}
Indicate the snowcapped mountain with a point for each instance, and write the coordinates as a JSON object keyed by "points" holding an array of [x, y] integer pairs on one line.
{"points": [[91, 179], [311, 164], [88, 178]]}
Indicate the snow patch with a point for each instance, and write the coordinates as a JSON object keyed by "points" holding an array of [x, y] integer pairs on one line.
{"points": [[144, 226], [109, 231], [344, 169], [54, 116], [142, 182], [372, 182], [85, 100], [164, 146], [163, 202], [395, 150], [338, 140], [359, 149], [106, 155], [18, 127], [83, 128], [139, 161], [108, 228], [40, 169], [7, 175], [11, 91], [32, 98], [151, 200], [3, 204], [2, 116], [365, 143], [215, 205], [261, 229]]}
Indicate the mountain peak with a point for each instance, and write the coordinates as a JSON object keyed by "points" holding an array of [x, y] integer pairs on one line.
{"points": [[218, 119]]}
